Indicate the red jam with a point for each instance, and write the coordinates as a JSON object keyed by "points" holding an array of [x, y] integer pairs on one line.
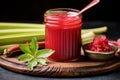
{"points": [[100, 44], [63, 34]]}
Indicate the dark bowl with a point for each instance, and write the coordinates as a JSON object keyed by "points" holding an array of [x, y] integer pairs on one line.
{"points": [[100, 56]]}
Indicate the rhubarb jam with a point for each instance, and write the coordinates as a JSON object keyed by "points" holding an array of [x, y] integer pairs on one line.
{"points": [[63, 33]]}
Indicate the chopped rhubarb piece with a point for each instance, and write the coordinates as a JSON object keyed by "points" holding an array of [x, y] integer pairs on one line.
{"points": [[99, 44]]}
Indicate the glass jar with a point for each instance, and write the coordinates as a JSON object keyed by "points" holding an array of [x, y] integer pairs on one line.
{"points": [[63, 33]]}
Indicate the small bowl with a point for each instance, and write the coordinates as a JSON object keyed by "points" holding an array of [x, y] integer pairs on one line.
{"points": [[100, 56]]}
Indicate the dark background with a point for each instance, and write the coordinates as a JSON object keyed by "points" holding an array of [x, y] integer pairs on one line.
{"points": [[33, 10]]}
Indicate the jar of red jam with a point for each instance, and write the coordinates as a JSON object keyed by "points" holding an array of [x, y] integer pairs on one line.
{"points": [[63, 33]]}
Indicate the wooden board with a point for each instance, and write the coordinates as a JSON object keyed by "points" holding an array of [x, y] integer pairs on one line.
{"points": [[82, 67]]}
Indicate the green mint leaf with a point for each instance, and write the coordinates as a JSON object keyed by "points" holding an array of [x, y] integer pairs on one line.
{"points": [[34, 45], [32, 55], [32, 64], [42, 61], [25, 48], [25, 57], [43, 53]]}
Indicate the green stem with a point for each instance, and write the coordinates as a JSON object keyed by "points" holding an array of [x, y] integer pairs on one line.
{"points": [[10, 25], [87, 37], [97, 30]]}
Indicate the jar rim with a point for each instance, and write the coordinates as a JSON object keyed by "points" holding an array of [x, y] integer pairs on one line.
{"points": [[56, 10]]}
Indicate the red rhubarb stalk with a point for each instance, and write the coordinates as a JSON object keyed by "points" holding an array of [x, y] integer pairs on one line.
{"points": [[9, 51], [118, 40], [117, 43]]}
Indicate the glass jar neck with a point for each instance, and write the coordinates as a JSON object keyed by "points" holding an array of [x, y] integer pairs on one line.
{"points": [[63, 16]]}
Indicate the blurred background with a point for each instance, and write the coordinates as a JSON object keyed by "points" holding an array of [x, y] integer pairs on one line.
{"points": [[33, 10]]}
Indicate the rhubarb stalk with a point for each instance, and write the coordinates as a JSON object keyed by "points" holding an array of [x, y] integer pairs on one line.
{"points": [[12, 49]]}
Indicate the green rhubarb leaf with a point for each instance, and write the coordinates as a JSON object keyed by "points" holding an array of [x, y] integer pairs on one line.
{"points": [[25, 49], [42, 61], [32, 64], [34, 45], [25, 57], [43, 53]]}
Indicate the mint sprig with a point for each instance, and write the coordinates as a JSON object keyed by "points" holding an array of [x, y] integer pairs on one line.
{"points": [[32, 55]]}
